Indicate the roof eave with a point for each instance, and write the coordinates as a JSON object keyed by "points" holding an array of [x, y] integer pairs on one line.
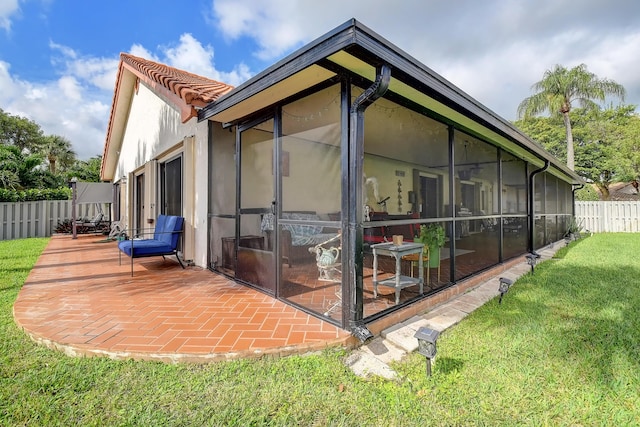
{"points": [[115, 126], [353, 33], [310, 54]]}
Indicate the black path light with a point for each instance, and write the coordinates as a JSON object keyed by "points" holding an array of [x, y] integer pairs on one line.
{"points": [[531, 260], [504, 286], [427, 344]]}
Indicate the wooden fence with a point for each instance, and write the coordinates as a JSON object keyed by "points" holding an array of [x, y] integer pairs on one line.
{"points": [[39, 219], [602, 217]]}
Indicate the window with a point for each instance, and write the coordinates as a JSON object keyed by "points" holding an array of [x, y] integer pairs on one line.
{"points": [[171, 187]]}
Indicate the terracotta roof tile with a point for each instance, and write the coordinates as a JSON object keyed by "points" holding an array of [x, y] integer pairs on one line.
{"points": [[192, 88], [188, 88]]}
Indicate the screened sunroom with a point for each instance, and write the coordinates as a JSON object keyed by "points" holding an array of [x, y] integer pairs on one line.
{"points": [[321, 164]]}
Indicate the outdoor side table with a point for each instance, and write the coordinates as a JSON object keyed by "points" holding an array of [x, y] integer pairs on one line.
{"points": [[398, 281]]}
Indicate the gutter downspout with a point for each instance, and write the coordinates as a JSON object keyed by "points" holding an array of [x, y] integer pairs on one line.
{"points": [[574, 188], [532, 205], [352, 284]]}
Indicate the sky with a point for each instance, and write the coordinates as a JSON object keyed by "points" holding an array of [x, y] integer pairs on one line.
{"points": [[59, 58]]}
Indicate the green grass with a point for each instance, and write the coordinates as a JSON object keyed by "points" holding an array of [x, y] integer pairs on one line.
{"points": [[561, 349]]}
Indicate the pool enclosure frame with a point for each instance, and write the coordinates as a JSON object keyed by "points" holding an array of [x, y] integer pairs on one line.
{"points": [[362, 70]]}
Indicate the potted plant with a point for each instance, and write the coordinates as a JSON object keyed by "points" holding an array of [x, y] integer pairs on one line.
{"points": [[574, 228], [433, 237]]}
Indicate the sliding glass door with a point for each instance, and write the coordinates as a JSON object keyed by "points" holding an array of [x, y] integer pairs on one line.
{"points": [[253, 242]]}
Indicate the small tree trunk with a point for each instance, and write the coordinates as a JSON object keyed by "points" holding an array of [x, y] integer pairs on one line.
{"points": [[52, 164], [570, 153], [604, 189]]}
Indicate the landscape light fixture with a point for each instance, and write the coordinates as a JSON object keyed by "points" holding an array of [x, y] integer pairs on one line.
{"points": [[427, 344], [531, 260], [567, 239], [504, 286]]}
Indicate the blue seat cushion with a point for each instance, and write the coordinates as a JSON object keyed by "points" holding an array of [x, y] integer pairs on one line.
{"points": [[160, 226], [146, 247]]}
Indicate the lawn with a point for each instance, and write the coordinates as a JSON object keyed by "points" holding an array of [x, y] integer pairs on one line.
{"points": [[561, 349]]}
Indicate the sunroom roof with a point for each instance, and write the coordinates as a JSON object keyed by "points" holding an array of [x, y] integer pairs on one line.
{"points": [[356, 49]]}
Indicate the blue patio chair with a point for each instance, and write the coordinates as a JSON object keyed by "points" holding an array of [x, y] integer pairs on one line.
{"points": [[166, 236]]}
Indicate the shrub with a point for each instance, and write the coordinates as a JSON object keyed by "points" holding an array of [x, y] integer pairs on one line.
{"points": [[587, 194], [64, 227], [34, 194]]}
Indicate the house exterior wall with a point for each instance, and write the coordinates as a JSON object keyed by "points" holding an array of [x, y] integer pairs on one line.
{"points": [[153, 133], [201, 188], [153, 127]]}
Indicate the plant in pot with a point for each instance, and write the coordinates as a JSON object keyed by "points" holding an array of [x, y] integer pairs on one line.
{"points": [[574, 229], [433, 237]]}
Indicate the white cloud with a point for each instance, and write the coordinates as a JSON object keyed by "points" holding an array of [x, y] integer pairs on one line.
{"points": [[98, 72], [278, 26], [142, 52], [63, 107], [75, 105], [8, 8], [493, 50], [70, 88], [190, 55], [8, 87], [612, 59]]}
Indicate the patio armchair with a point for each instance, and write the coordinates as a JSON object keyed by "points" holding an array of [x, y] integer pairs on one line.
{"points": [[117, 231], [97, 224], [166, 237]]}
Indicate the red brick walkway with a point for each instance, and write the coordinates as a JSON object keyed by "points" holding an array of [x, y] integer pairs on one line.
{"points": [[80, 300]]}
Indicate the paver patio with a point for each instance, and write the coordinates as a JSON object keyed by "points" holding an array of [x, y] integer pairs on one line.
{"points": [[78, 299]]}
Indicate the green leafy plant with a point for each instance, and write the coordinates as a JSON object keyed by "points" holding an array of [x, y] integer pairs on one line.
{"points": [[34, 194], [574, 226], [432, 235]]}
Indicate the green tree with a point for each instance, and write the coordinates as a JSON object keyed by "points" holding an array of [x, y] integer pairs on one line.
{"points": [[596, 155], [18, 170], [629, 159], [607, 143], [587, 193], [28, 159], [547, 131], [20, 132], [85, 170], [560, 88], [58, 153], [600, 151]]}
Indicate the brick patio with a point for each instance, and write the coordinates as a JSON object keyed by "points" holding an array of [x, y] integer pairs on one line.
{"points": [[79, 300]]}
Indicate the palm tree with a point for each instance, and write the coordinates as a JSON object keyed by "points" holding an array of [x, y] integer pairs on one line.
{"points": [[560, 87], [17, 169], [57, 150]]}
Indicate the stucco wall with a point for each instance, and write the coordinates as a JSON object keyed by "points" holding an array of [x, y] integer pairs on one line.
{"points": [[153, 127], [201, 151], [154, 131]]}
